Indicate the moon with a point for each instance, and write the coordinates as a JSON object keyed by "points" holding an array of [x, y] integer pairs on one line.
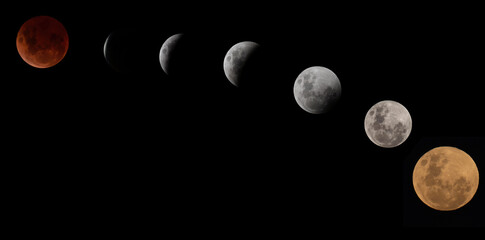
{"points": [[167, 51], [42, 42], [124, 50], [113, 51], [445, 178], [317, 89], [388, 124], [236, 59]]}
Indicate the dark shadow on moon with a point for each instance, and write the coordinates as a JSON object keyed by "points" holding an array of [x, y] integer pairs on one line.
{"points": [[250, 70]]}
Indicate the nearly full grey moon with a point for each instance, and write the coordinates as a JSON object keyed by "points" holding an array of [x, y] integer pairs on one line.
{"points": [[167, 50], [317, 89], [236, 59], [388, 124]]}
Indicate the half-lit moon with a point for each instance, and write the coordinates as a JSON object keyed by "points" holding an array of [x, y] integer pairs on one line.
{"points": [[236, 60], [445, 178]]}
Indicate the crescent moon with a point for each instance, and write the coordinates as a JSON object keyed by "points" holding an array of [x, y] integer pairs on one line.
{"points": [[167, 50], [105, 48]]}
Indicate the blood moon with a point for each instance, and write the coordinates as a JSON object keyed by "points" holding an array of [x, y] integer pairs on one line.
{"points": [[42, 41], [445, 178]]}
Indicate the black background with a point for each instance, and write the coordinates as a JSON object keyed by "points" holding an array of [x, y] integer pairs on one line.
{"points": [[89, 148]]}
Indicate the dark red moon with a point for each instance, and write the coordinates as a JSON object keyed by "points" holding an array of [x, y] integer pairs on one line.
{"points": [[42, 41]]}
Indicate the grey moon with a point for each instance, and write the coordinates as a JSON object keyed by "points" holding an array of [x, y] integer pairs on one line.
{"points": [[235, 60], [388, 124], [166, 51], [317, 89]]}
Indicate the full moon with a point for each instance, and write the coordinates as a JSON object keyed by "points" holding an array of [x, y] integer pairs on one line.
{"points": [[236, 59], [445, 178], [317, 89], [167, 51], [388, 124], [42, 42]]}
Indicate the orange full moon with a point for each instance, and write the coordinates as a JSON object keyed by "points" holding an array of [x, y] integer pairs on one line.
{"points": [[445, 178], [42, 42]]}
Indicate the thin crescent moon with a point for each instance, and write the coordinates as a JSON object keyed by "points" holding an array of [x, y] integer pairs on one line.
{"points": [[105, 47]]}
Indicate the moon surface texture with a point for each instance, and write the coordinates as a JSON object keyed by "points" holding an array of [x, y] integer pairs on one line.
{"points": [[42, 42], [445, 178], [317, 89], [167, 51], [388, 124], [236, 60]]}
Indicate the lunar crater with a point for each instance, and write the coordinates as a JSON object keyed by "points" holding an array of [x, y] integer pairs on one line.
{"points": [[307, 89], [424, 162]]}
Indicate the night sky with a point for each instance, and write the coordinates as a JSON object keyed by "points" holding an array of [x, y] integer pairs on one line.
{"points": [[89, 148]]}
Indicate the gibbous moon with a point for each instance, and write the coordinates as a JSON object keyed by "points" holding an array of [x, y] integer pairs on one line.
{"points": [[317, 90], [42, 42], [236, 59], [167, 50], [388, 124], [445, 178]]}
